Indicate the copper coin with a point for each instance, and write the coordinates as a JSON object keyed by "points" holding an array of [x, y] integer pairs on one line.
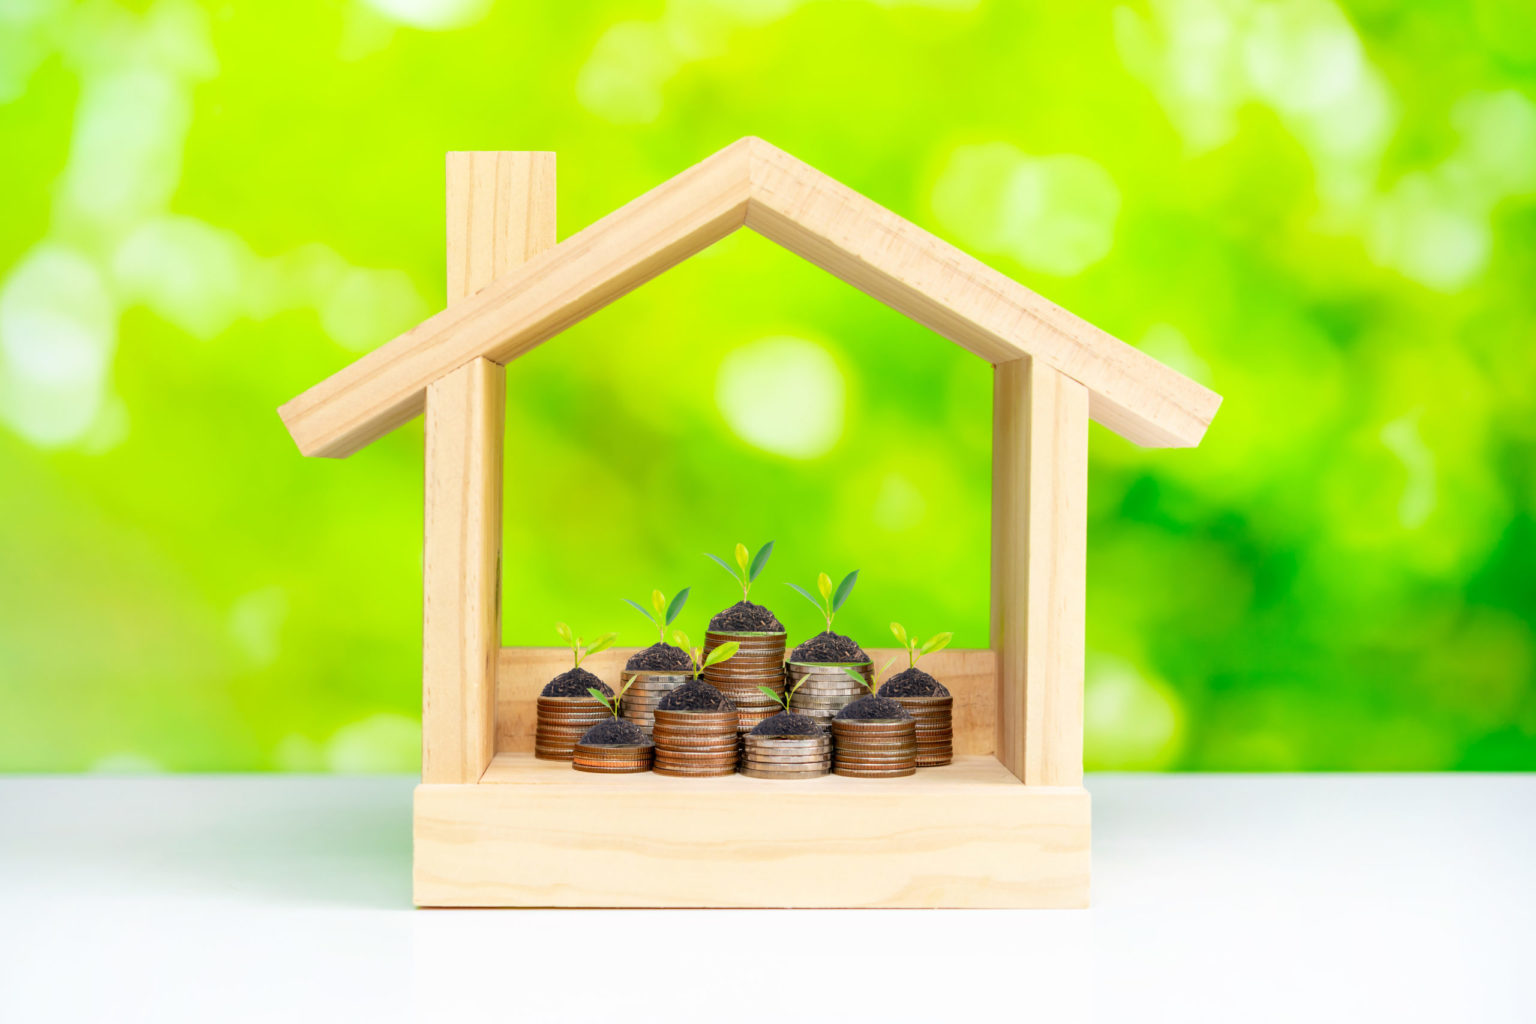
{"points": [[695, 775], [853, 774], [754, 773]]}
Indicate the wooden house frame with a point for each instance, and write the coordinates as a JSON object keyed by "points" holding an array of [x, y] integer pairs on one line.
{"points": [[1006, 825]]}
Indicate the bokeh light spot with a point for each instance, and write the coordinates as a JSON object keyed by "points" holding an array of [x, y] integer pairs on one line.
{"points": [[784, 395]]}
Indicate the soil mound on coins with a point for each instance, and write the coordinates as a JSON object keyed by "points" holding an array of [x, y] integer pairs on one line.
{"points": [[913, 682], [874, 707], [746, 617], [829, 648], [659, 656], [573, 682], [696, 696], [615, 732], [786, 724]]}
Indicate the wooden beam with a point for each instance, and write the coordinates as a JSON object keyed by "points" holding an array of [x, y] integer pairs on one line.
{"points": [[927, 279], [500, 209], [1039, 570], [521, 309], [754, 184], [536, 834]]}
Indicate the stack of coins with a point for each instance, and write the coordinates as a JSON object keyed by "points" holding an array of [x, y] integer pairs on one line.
{"points": [[612, 760], [786, 757], [562, 721], [759, 662], [935, 728], [695, 742], [640, 700], [875, 748], [826, 689]]}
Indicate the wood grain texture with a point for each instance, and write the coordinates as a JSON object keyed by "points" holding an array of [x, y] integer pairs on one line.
{"points": [[754, 184], [500, 208], [536, 833], [971, 676], [1039, 566], [501, 213], [521, 309]]}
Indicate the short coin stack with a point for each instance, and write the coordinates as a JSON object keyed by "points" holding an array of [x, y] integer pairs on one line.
{"points": [[758, 662], [935, 728], [826, 689], [786, 757], [695, 742], [875, 748], [561, 722], [649, 686], [603, 759]]}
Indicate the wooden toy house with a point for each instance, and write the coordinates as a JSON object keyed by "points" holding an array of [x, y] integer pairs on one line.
{"points": [[1007, 824]]}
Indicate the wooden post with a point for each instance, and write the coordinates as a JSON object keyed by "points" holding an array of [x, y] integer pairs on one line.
{"points": [[501, 211], [1039, 566]]}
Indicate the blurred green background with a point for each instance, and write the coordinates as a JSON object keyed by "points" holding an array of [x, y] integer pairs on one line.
{"points": [[1326, 212]]}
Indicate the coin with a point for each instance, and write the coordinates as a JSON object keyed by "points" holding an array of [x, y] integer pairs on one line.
{"points": [[856, 774]]}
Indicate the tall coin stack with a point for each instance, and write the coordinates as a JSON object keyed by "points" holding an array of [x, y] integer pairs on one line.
{"points": [[561, 722], [695, 742], [826, 689], [786, 757], [874, 748], [935, 728], [640, 700], [759, 662], [607, 759]]}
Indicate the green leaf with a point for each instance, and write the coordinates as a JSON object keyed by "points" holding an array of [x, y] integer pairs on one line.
{"points": [[636, 606], [680, 639], [824, 586], [721, 653], [900, 633], [741, 559], [887, 667], [723, 564], [659, 602], [937, 642], [599, 696], [806, 594], [759, 562], [565, 633], [784, 700], [602, 643], [844, 589], [856, 674], [676, 607]]}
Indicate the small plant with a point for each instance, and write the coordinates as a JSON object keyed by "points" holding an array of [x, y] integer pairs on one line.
{"points": [[748, 570], [666, 611], [915, 649], [702, 661], [831, 601], [859, 678], [581, 653], [784, 698], [611, 703]]}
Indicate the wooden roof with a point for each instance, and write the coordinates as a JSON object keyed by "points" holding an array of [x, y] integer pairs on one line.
{"points": [[753, 184]]}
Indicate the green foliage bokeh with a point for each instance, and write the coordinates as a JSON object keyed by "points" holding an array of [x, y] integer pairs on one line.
{"points": [[1324, 212]]}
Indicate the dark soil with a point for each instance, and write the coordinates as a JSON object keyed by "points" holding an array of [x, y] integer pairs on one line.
{"points": [[573, 683], [829, 648], [874, 707], [660, 655], [696, 695], [786, 724], [615, 732], [913, 682], [746, 617]]}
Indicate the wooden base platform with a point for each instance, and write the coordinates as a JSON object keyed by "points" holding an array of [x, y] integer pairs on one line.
{"points": [[538, 834]]}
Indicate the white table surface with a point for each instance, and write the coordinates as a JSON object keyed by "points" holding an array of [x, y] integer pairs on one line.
{"points": [[1215, 898]]}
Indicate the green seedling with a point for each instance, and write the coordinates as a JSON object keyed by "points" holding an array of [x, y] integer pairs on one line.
{"points": [[748, 570], [702, 661], [611, 703], [783, 698], [666, 612], [581, 652], [916, 649], [858, 677], [831, 601]]}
